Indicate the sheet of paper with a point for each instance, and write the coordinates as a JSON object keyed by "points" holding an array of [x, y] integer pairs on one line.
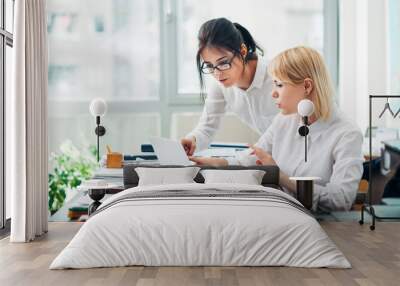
{"points": [[217, 152]]}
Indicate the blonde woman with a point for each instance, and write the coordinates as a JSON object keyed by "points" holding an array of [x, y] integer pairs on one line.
{"points": [[334, 145]]}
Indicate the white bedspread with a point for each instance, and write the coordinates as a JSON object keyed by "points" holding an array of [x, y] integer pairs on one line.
{"points": [[200, 231]]}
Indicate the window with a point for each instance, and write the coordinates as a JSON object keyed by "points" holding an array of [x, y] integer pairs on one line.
{"points": [[104, 48], [6, 42]]}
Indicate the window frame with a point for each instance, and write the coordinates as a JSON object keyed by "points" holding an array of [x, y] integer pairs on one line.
{"points": [[6, 39]]}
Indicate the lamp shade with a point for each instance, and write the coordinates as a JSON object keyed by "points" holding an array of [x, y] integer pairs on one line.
{"points": [[98, 107], [305, 107]]}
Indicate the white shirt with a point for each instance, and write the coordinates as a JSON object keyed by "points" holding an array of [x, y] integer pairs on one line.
{"points": [[253, 106], [334, 154]]}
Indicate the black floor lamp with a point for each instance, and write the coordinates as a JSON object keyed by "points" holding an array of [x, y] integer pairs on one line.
{"points": [[98, 108]]}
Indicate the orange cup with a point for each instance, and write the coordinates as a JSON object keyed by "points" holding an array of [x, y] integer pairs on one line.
{"points": [[114, 160]]}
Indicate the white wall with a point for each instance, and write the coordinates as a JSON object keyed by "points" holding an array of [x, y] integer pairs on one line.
{"points": [[363, 53]]}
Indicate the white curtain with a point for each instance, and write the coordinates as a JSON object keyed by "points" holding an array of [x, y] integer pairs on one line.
{"points": [[26, 119]]}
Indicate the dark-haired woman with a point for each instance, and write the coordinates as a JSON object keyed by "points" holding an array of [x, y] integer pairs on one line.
{"points": [[229, 53]]}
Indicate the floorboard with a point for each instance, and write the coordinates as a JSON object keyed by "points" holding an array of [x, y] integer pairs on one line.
{"points": [[374, 255]]}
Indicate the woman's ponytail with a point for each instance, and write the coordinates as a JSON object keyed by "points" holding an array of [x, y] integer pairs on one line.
{"points": [[248, 41]]}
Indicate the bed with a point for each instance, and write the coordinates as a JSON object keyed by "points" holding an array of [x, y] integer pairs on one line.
{"points": [[197, 224]]}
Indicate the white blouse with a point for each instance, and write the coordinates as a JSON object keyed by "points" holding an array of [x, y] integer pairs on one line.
{"points": [[253, 106], [334, 154]]}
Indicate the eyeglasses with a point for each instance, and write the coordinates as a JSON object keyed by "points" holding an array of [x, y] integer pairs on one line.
{"points": [[208, 68]]}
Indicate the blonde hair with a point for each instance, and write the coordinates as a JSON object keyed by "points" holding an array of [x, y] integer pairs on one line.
{"points": [[295, 65]]}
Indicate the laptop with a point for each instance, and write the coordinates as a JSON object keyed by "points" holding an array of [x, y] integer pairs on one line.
{"points": [[170, 152]]}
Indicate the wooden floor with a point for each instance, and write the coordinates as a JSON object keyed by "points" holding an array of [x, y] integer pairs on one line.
{"points": [[374, 255]]}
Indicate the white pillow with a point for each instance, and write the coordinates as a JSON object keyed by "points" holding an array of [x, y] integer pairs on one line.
{"points": [[249, 177], [165, 176]]}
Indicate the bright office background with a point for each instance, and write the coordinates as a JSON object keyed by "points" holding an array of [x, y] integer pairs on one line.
{"points": [[139, 55]]}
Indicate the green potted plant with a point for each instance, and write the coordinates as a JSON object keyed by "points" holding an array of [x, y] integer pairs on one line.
{"points": [[70, 167]]}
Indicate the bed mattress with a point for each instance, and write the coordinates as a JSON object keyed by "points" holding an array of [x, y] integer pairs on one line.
{"points": [[201, 225]]}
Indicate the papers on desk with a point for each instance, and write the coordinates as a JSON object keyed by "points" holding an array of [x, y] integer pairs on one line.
{"points": [[216, 152], [104, 183], [113, 177], [222, 149], [108, 173]]}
